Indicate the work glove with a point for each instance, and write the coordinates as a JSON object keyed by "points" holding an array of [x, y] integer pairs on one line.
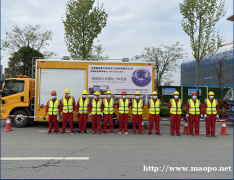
{"points": [[201, 116], [217, 116], [205, 116], [90, 114], [187, 116], [102, 114]]}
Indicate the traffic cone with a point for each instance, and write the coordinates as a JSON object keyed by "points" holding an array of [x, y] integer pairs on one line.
{"points": [[223, 129], [143, 127], [185, 127], [8, 124]]}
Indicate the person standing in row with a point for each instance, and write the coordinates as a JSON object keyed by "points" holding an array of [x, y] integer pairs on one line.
{"points": [[137, 111], [154, 110], [123, 105], [67, 106], [108, 105], [82, 112], [211, 113], [175, 107], [52, 107], [95, 109], [193, 113]]}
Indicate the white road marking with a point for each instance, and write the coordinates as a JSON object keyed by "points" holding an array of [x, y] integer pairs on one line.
{"points": [[42, 158]]}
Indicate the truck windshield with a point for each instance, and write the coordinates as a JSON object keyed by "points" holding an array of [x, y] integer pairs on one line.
{"points": [[13, 87], [229, 95]]}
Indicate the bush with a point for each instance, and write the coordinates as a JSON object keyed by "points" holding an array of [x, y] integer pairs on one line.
{"points": [[220, 102], [164, 111]]}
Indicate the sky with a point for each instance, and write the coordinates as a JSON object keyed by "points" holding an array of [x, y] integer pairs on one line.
{"points": [[131, 26]]}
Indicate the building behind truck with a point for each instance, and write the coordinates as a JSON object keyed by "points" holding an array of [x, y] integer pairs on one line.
{"points": [[25, 98]]}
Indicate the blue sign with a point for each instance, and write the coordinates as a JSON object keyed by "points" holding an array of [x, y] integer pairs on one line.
{"points": [[190, 91], [231, 108], [208, 78], [168, 91], [230, 117]]}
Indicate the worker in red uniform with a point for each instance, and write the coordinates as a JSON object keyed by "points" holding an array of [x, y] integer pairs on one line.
{"points": [[82, 112], [137, 111], [211, 113], [123, 105], [108, 105], [175, 107], [154, 110], [193, 113], [52, 108], [96, 112], [67, 108]]}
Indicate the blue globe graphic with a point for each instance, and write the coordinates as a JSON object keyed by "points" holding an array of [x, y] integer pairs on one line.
{"points": [[141, 77]]}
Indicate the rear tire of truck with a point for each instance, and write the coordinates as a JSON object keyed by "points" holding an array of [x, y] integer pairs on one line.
{"points": [[18, 121]]}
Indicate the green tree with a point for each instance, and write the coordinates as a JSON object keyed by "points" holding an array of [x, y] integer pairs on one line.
{"points": [[82, 25], [20, 62], [199, 20], [26, 37], [97, 52]]}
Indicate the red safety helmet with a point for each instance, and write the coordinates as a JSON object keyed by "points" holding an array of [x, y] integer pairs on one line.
{"points": [[53, 93], [194, 93], [123, 92]]}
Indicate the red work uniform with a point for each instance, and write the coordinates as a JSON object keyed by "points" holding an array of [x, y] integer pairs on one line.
{"points": [[137, 118], [96, 118], [154, 118], [53, 117], [68, 115], [194, 119], [107, 117], [123, 118], [211, 119], [82, 117], [175, 118]]}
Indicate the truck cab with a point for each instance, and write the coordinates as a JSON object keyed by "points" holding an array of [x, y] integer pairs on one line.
{"points": [[228, 105], [17, 99]]}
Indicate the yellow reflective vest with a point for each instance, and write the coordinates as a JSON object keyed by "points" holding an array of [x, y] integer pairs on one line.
{"points": [[154, 107], [53, 107], [108, 107], [123, 106], [194, 108], [137, 108], [174, 108], [83, 105], [67, 105], [96, 107], [211, 108]]}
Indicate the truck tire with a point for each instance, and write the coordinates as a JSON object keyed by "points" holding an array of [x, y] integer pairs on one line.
{"points": [[20, 121]]}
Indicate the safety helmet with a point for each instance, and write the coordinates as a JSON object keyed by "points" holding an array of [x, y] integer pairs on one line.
{"points": [[137, 93], [123, 92], [84, 92], [53, 93], [176, 93], [108, 92], [194, 93], [66, 91], [97, 93], [155, 93], [211, 93]]}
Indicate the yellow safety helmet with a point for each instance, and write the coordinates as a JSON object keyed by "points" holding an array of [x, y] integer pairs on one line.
{"points": [[155, 92], [66, 91], [85, 92], [108, 92], [176, 93], [137, 93], [211, 93], [97, 93]]}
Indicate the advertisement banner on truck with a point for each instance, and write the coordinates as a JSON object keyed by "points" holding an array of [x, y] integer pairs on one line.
{"points": [[120, 78]]}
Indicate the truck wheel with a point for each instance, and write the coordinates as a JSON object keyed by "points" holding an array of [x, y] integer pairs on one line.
{"points": [[20, 121]]}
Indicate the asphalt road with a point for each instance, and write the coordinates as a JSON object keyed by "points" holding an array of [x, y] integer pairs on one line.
{"points": [[116, 156]]}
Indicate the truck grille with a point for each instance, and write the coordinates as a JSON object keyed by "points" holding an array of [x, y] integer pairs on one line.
{"points": [[226, 111]]}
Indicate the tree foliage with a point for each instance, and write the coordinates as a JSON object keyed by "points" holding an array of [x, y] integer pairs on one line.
{"points": [[97, 52], [167, 60], [199, 20], [82, 25], [26, 37], [20, 62]]}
